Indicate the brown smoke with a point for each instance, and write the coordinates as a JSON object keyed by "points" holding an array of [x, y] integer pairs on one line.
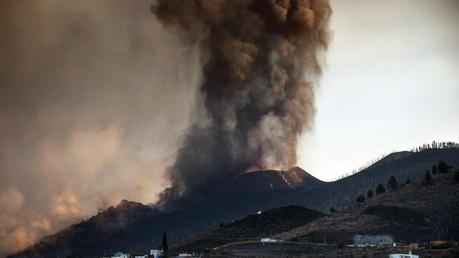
{"points": [[93, 96], [260, 60], [95, 93]]}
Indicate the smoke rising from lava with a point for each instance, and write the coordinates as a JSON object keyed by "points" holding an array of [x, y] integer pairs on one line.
{"points": [[260, 61]]}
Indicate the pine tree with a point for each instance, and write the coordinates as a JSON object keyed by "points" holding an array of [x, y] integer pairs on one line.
{"points": [[392, 183], [380, 189], [332, 210], [434, 169], [427, 178], [456, 177], [370, 194], [165, 246], [442, 166], [361, 198], [407, 181]]}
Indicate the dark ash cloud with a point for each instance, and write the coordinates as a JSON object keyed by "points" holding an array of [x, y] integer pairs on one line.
{"points": [[260, 61]]}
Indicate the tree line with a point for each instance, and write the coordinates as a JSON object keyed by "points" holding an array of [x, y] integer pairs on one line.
{"points": [[442, 167], [435, 146], [393, 184], [427, 146]]}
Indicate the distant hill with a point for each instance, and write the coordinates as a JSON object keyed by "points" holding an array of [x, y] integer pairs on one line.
{"points": [[74, 240], [342, 193], [415, 213], [252, 227], [136, 227], [270, 180]]}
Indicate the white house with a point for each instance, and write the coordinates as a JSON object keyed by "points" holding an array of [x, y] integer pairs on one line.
{"points": [[156, 253], [268, 240]]}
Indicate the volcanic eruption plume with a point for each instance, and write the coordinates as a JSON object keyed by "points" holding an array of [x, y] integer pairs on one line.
{"points": [[260, 60]]}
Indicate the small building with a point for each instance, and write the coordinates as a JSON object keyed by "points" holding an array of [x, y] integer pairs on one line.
{"points": [[120, 255], [155, 253], [372, 240], [409, 255], [268, 240]]}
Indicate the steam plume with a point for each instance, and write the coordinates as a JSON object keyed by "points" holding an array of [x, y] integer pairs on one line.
{"points": [[260, 60]]}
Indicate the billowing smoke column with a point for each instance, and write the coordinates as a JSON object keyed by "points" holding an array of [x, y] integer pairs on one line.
{"points": [[260, 59]]}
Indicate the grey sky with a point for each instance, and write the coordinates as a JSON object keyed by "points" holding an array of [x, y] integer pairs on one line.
{"points": [[392, 83]]}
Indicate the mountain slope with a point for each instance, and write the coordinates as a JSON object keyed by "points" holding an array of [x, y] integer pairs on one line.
{"points": [[241, 196], [253, 226], [270, 180], [342, 193], [86, 235], [139, 227], [414, 213]]}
